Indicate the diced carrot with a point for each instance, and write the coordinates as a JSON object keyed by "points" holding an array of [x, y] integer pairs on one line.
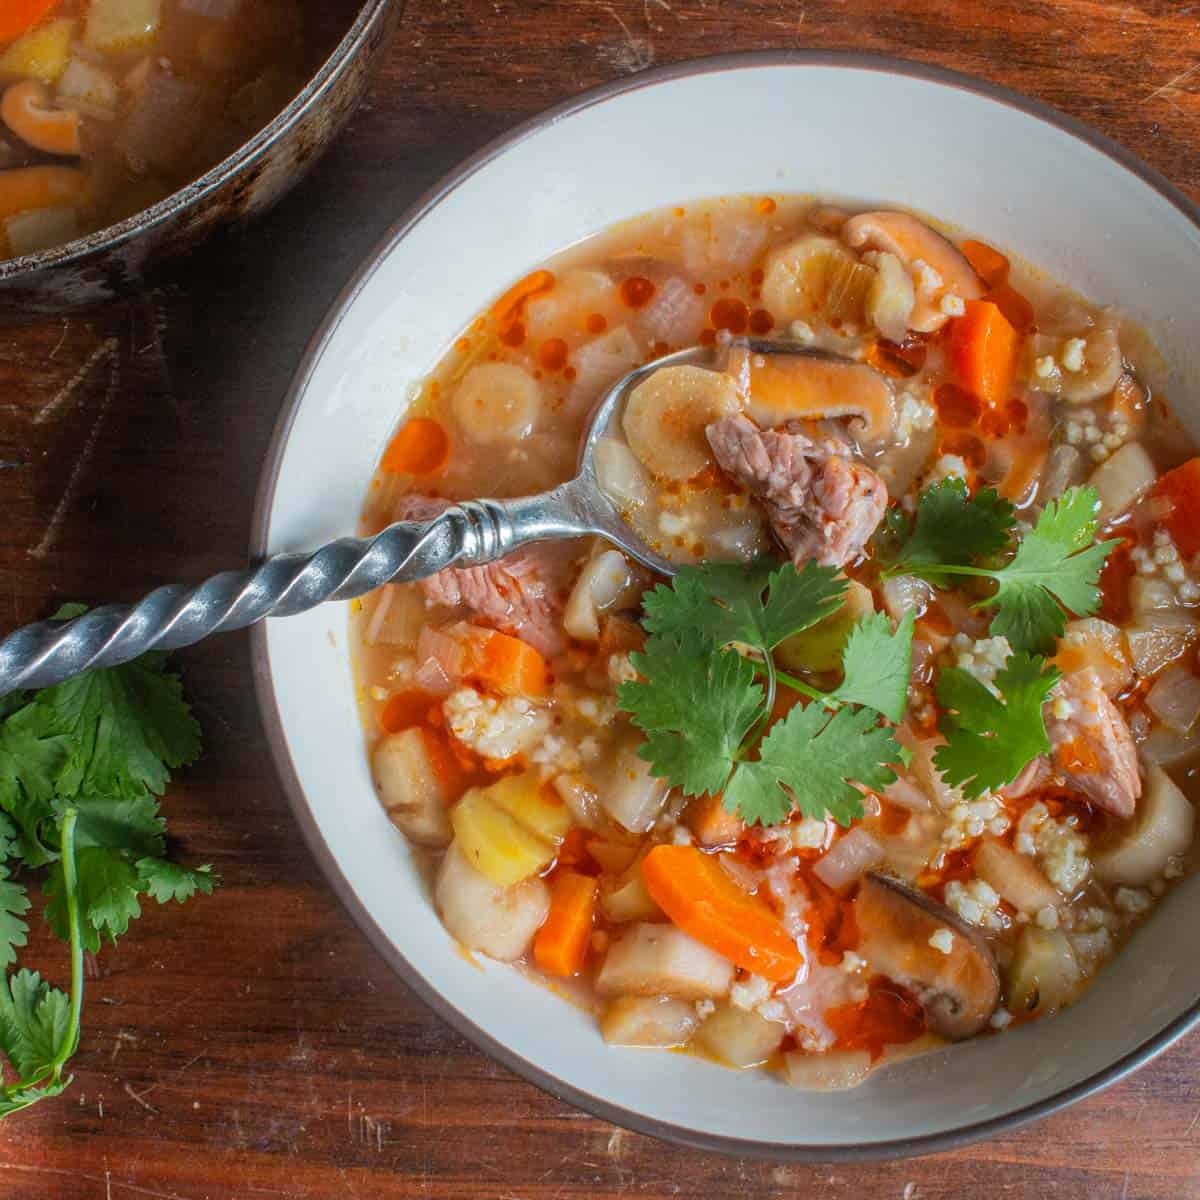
{"points": [[405, 709], [712, 824], [562, 942], [446, 766], [699, 897], [510, 304], [509, 666], [19, 16], [420, 447], [983, 351], [988, 263], [1182, 488]]}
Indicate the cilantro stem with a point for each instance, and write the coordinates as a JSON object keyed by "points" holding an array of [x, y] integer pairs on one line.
{"points": [[806, 689], [760, 726], [71, 888]]}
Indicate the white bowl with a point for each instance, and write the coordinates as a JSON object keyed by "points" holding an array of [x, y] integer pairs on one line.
{"points": [[856, 126]]}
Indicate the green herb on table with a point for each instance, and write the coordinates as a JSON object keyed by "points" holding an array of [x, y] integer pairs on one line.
{"points": [[1054, 571], [707, 690], [82, 766]]}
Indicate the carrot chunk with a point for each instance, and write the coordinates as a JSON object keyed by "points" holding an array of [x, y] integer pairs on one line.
{"points": [[420, 447], [693, 890], [20, 16], [1182, 488], [988, 263], [507, 665], [983, 351], [509, 306], [562, 942]]}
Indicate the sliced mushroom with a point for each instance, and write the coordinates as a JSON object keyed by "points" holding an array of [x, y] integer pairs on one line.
{"points": [[913, 242], [958, 987], [803, 387]]}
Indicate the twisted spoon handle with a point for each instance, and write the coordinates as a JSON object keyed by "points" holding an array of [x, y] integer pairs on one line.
{"points": [[467, 534]]}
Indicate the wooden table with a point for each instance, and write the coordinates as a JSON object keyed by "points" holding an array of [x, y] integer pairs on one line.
{"points": [[252, 1044]]}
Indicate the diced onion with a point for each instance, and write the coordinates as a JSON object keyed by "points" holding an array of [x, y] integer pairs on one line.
{"points": [[906, 794], [620, 475], [849, 859], [439, 657], [604, 579], [1175, 699], [903, 594], [1152, 647]]}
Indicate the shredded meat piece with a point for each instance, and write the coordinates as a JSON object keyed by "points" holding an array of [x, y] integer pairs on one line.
{"points": [[822, 504], [1092, 750], [523, 594]]}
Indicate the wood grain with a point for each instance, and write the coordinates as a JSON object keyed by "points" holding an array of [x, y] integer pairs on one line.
{"points": [[252, 1044]]}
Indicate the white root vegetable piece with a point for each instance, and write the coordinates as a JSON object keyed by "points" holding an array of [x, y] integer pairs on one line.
{"points": [[1150, 597], [497, 921], [849, 859], [1015, 878], [1102, 366], [497, 402], [1044, 974], [891, 298], [666, 416], [1122, 480], [606, 580], [1152, 647], [1100, 645], [790, 387], [738, 1037], [1160, 829], [40, 228], [815, 277], [1175, 699], [621, 475], [630, 902], [1166, 748], [88, 88], [957, 989], [676, 315], [660, 960], [833, 1071], [119, 26], [411, 788], [648, 1021], [629, 793], [576, 290], [912, 242]]}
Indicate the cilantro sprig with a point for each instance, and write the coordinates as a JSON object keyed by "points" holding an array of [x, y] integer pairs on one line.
{"points": [[1054, 571], [990, 739], [707, 686], [81, 768]]}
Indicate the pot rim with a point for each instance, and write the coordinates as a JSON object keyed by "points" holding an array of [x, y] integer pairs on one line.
{"points": [[370, 15]]}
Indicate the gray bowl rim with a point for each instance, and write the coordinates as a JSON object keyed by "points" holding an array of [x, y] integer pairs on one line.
{"points": [[111, 237], [942, 1140]]}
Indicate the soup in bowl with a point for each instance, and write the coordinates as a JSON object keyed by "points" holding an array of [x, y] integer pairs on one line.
{"points": [[888, 788]]}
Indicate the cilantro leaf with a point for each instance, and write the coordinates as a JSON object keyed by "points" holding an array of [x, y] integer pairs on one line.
{"points": [[695, 705], [128, 727], [135, 826], [877, 664], [954, 528], [724, 602], [14, 904], [814, 756], [34, 1019], [166, 881], [107, 895], [32, 755], [1056, 565], [990, 740]]}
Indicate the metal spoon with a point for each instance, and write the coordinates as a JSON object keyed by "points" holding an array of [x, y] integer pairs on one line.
{"points": [[469, 533]]}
